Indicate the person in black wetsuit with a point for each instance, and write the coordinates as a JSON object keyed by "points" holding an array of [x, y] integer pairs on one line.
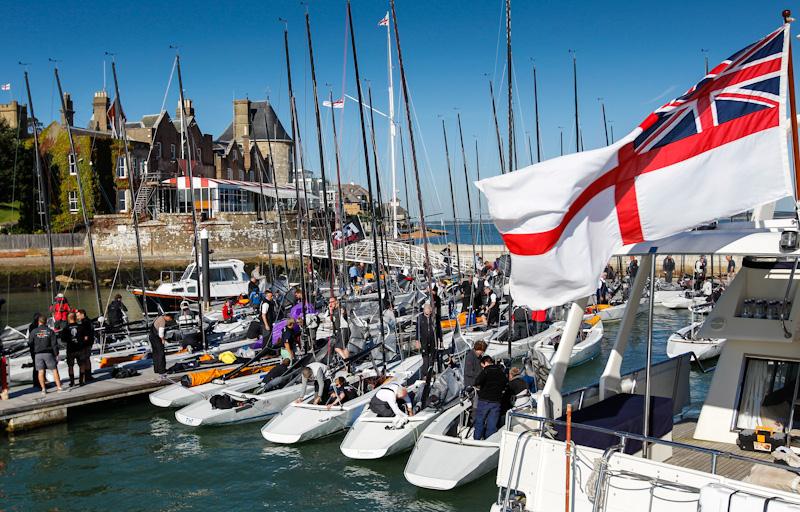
{"points": [[115, 314]]}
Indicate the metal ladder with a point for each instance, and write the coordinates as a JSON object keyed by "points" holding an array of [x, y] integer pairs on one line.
{"points": [[143, 195]]}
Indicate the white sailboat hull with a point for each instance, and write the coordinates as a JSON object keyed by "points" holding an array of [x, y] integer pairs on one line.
{"points": [[175, 395], [582, 352], [467, 459], [682, 342], [263, 407]]}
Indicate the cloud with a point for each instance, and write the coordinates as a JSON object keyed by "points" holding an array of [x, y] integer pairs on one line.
{"points": [[663, 95]]}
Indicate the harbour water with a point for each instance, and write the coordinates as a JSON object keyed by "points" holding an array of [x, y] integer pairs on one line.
{"points": [[136, 456]]}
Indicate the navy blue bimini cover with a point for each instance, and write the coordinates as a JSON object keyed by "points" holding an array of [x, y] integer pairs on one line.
{"points": [[623, 413]]}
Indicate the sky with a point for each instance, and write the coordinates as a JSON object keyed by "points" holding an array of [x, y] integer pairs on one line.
{"points": [[633, 55]]}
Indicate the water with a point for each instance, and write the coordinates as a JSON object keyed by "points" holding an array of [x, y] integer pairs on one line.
{"points": [[21, 305], [135, 455], [486, 230]]}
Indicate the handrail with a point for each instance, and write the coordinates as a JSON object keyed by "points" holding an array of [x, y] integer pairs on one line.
{"points": [[713, 453]]}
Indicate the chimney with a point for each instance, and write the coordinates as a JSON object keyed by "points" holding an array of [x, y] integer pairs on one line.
{"points": [[246, 152], [187, 103], [100, 106], [68, 117], [241, 118]]}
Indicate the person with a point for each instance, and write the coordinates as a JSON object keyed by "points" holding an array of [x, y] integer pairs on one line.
{"points": [[384, 402], [157, 341], [298, 296], [601, 294], [31, 326], [609, 271], [252, 286], [44, 344], [276, 371], [86, 334], [290, 338], [517, 391], [186, 317], [492, 307], [227, 311], [437, 310], [269, 312], [520, 320], [472, 363], [426, 337], [731, 267], [115, 314], [699, 272], [491, 384], [539, 317], [59, 310], [335, 322], [353, 272], [633, 268], [70, 337], [315, 371], [466, 295], [446, 259], [669, 268], [478, 261], [342, 392]]}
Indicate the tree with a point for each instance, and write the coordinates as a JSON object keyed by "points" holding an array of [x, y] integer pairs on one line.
{"points": [[18, 175]]}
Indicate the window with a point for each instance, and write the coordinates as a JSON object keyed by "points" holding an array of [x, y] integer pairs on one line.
{"points": [[157, 149], [769, 389], [172, 152], [222, 274], [122, 201], [251, 176], [241, 174], [73, 201], [230, 173], [199, 154], [122, 171], [235, 156], [234, 200], [73, 168]]}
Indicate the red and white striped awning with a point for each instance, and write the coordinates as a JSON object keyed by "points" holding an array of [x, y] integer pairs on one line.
{"points": [[266, 189]]}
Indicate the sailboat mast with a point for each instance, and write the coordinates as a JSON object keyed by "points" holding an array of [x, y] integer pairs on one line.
{"points": [[376, 262], [382, 225], [275, 187], [86, 223], [466, 185], [428, 269], [340, 200], [392, 128], [536, 112], [512, 157], [575, 89], [327, 222], [196, 238], [480, 206], [123, 134], [295, 138], [605, 123], [408, 202], [44, 196], [497, 130], [452, 199]]}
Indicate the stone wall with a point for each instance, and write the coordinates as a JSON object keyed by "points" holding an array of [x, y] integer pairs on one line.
{"points": [[171, 235]]}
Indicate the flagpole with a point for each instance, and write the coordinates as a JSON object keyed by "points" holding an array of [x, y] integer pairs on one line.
{"points": [[575, 89], [787, 18], [536, 111]]}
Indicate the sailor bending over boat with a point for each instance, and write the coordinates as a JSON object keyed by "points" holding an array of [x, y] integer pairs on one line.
{"points": [[315, 371], [341, 393], [384, 402], [491, 384]]}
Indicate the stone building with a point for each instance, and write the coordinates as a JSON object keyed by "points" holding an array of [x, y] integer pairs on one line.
{"points": [[256, 122], [15, 115]]}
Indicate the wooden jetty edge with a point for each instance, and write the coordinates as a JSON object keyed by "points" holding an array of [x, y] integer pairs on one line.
{"points": [[26, 408]]}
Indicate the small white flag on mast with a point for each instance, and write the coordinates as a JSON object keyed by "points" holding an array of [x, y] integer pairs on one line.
{"points": [[385, 21], [336, 103], [6, 87]]}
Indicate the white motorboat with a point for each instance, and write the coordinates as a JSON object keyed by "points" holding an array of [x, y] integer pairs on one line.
{"points": [[227, 279], [449, 438], [586, 348], [374, 437], [686, 341], [611, 312], [304, 421]]}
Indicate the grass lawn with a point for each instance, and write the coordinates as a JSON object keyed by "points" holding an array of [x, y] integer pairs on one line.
{"points": [[9, 212]]}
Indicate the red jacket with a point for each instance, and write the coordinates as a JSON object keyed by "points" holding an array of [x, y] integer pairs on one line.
{"points": [[539, 315], [60, 309]]}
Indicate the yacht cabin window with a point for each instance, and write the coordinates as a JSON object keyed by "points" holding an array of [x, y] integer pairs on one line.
{"points": [[768, 390]]}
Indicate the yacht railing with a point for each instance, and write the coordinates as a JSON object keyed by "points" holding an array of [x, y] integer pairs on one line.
{"points": [[623, 438]]}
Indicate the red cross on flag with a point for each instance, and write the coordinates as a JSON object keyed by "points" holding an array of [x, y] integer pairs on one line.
{"points": [[718, 150]]}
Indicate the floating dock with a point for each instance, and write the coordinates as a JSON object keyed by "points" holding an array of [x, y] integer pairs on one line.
{"points": [[27, 408]]}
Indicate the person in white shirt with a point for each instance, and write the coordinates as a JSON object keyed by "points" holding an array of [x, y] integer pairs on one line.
{"points": [[384, 403], [317, 372]]}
